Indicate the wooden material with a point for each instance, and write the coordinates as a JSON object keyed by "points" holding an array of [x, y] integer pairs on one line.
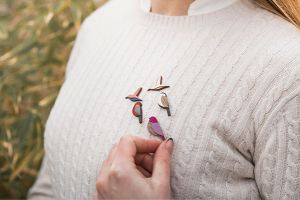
{"points": [[160, 86], [154, 128], [137, 111], [164, 103], [135, 97]]}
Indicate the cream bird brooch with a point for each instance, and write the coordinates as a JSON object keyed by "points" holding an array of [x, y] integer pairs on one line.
{"points": [[164, 103]]}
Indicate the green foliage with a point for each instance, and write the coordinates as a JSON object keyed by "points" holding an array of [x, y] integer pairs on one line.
{"points": [[36, 37]]}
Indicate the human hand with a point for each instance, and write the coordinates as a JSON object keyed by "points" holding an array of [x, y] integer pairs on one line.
{"points": [[136, 168]]}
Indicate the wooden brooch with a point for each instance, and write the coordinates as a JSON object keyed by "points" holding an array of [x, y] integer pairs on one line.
{"points": [[135, 97], [138, 111], [164, 103], [159, 87], [154, 128]]}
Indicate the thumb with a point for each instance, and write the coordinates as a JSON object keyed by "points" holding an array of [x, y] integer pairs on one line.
{"points": [[162, 162]]}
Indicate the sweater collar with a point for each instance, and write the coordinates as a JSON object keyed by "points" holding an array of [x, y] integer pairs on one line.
{"points": [[198, 7]]}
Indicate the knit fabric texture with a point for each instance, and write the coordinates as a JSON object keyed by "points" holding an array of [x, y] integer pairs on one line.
{"points": [[234, 77]]}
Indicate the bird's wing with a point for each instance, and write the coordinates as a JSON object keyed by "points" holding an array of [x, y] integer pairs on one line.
{"points": [[149, 127], [157, 129], [137, 110], [164, 101]]}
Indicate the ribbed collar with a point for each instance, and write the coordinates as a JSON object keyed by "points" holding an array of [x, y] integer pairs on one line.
{"points": [[197, 7], [228, 14]]}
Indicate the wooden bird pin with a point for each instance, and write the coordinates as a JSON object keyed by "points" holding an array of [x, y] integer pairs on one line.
{"points": [[154, 128], [164, 103], [138, 111], [159, 87], [135, 97]]}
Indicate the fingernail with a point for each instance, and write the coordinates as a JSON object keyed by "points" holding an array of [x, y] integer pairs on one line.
{"points": [[170, 144]]}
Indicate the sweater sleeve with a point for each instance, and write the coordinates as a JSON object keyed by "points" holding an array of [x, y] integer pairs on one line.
{"points": [[277, 149], [42, 187]]}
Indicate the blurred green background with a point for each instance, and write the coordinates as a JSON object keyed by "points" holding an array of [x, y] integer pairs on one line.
{"points": [[36, 37]]}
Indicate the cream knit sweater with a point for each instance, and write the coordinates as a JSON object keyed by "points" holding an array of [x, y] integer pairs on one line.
{"points": [[235, 101]]}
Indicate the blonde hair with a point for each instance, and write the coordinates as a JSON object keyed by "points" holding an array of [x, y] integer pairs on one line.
{"points": [[288, 9]]}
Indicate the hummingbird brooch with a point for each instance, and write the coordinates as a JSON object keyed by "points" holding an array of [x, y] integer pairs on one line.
{"points": [[135, 97], [159, 87], [154, 128]]}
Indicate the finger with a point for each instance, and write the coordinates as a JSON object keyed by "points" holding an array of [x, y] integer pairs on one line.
{"points": [[145, 161], [104, 169], [112, 153], [95, 196], [162, 162], [129, 146], [143, 171]]}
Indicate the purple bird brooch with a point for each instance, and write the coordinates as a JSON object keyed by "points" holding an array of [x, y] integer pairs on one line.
{"points": [[154, 128]]}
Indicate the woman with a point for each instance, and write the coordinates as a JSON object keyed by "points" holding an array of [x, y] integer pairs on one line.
{"points": [[233, 67]]}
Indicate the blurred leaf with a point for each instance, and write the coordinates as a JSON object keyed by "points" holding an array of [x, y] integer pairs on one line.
{"points": [[36, 38]]}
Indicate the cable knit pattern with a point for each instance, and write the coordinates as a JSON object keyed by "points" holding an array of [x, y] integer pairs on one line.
{"points": [[277, 161], [235, 101]]}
